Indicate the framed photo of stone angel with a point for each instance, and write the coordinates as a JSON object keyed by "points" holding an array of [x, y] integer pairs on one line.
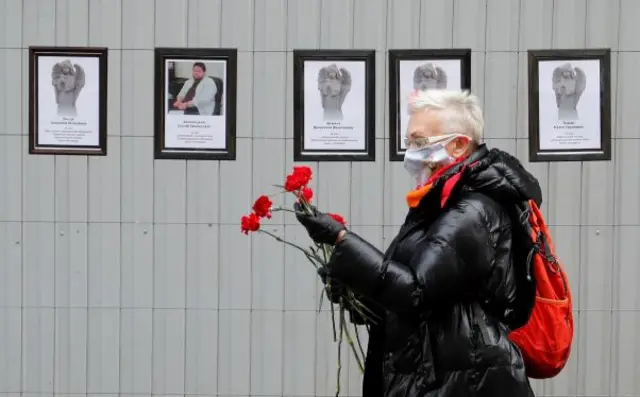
{"points": [[569, 105], [334, 101], [418, 69], [195, 103], [68, 100]]}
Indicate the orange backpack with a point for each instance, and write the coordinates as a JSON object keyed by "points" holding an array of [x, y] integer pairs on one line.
{"points": [[545, 339]]}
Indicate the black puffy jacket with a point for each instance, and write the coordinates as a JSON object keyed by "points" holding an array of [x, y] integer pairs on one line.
{"points": [[443, 288]]}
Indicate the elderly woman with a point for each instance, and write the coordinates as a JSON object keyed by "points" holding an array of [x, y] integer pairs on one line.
{"points": [[448, 281]]}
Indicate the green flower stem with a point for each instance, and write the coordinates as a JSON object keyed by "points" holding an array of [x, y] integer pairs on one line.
{"points": [[362, 353], [339, 369], [343, 324], [304, 251], [282, 209], [333, 313]]}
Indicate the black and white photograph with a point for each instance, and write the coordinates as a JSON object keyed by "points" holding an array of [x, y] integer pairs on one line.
{"points": [[334, 98], [569, 114], [421, 70], [68, 101], [195, 103]]}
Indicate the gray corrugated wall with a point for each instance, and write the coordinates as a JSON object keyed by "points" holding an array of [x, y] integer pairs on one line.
{"points": [[128, 275]]}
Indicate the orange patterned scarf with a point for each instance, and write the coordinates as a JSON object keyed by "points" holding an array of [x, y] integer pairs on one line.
{"points": [[415, 196]]}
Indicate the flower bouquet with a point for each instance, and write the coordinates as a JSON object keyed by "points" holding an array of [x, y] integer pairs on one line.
{"points": [[297, 183]]}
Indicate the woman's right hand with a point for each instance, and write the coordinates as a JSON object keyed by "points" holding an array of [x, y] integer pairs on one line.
{"points": [[321, 227]]}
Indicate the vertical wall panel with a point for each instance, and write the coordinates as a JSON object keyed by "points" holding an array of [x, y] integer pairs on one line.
{"points": [[103, 353], [10, 265], [138, 28], [366, 204], [104, 184], [72, 283], [436, 21], [267, 344], [169, 266], [403, 24], [245, 94], [11, 61], [168, 351], [136, 351], [70, 351], [628, 26], [203, 191], [503, 25], [10, 353], [70, 187], [201, 352], [336, 26], [103, 265], [333, 179], [125, 275], [303, 24], [38, 336], [38, 22], [72, 23], [106, 24], [569, 23], [234, 352], [626, 274], [500, 94], [237, 24], [10, 33], [201, 267], [204, 22], [171, 22], [11, 178], [269, 82], [136, 106], [270, 25], [469, 24], [370, 25], [137, 258], [170, 191], [536, 24], [602, 20]]}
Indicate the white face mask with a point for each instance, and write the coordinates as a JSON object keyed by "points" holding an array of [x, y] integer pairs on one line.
{"points": [[420, 162]]}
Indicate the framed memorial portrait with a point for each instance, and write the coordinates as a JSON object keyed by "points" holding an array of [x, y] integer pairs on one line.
{"points": [[334, 100], [569, 105], [195, 103], [411, 70], [68, 100]]}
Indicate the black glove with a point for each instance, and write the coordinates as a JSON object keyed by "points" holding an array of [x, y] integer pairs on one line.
{"points": [[322, 228], [337, 290]]}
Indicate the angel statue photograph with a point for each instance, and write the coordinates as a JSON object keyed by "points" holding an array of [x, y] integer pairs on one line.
{"points": [[68, 100], [68, 80], [334, 85], [568, 84], [427, 77]]}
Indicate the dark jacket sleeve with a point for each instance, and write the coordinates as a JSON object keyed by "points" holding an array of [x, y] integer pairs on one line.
{"points": [[458, 251]]}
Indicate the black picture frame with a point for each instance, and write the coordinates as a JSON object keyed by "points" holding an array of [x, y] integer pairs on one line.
{"points": [[300, 58], [564, 118], [71, 122], [396, 57], [221, 109]]}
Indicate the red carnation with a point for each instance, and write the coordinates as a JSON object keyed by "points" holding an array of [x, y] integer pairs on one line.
{"points": [[262, 207], [338, 218], [293, 182], [250, 223], [304, 173], [306, 194]]}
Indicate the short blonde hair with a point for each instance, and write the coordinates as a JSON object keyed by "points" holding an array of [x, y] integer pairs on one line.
{"points": [[460, 110]]}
